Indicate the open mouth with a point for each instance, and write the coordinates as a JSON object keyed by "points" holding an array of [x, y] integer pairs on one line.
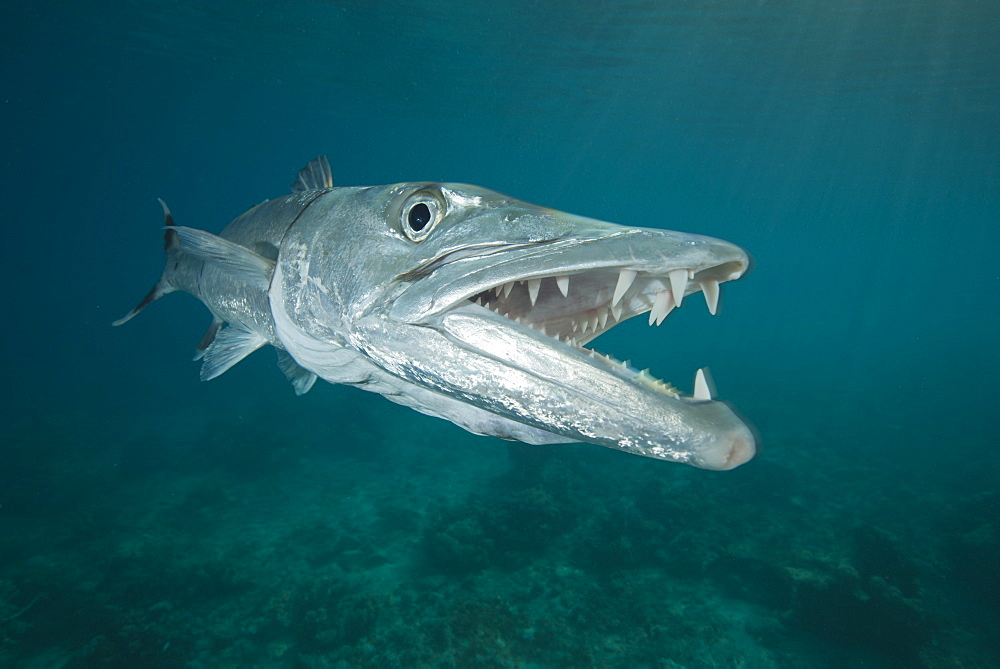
{"points": [[575, 308]]}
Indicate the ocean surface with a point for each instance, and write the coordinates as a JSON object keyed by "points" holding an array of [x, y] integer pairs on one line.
{"points": [[852, 147]]}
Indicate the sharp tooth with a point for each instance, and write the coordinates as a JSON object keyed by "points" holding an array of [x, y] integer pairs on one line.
{"points": [[701, 391], [678, 284], [496, 290], [625, 279], [486, 305], [584, 325], [662, 306], [602, 318], [710, 287], [563, 283], [593, 322], [533, 286], [616, 311], [507, 287]]}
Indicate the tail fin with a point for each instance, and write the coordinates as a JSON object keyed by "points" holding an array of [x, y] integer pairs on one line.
{"points": [[170, 243]]}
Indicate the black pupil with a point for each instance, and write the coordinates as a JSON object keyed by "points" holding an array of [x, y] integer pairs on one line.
{"points": [[419, 216]]}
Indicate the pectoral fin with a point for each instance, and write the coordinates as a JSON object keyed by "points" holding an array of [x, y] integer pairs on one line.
{"points": [[231, 345]]}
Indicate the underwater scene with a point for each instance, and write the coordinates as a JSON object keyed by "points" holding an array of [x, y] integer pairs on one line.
{"points": [[822, 486]]}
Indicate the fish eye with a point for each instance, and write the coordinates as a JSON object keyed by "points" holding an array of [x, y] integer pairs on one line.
{"points": [[420, 215]]}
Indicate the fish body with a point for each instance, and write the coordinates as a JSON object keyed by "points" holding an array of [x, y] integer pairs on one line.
{"points": [[461, 303]]}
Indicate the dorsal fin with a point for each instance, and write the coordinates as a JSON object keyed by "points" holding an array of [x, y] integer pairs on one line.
{"points": [[314, 176]]}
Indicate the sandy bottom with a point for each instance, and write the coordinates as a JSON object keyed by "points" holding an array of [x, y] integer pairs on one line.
{"points": [[387, 539]]}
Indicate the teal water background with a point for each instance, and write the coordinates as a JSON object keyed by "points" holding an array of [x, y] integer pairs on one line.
{"points": [[147, 519]]}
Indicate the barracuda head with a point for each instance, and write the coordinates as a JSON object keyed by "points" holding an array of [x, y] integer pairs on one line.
{"points": [[469, 305]]}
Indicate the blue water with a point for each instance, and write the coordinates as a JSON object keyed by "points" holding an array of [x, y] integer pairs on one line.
{"points": [[149, 520]]}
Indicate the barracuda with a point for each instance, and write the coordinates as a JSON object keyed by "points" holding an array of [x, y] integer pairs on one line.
{"points": [[464, 304]]}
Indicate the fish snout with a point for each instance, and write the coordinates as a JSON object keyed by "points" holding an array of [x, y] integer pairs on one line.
{"points": [[729, 450]]}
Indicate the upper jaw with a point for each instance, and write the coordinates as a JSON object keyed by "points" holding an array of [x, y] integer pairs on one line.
{"points": [[579, 288], [569, 291]]}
